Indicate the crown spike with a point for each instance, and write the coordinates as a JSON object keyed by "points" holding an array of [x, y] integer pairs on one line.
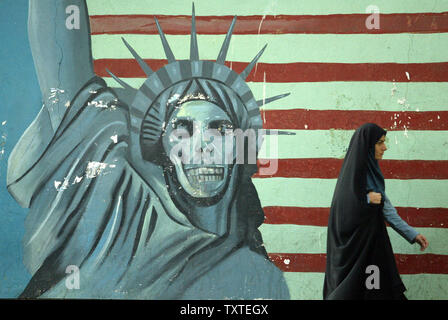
{"points": [[169, 54], [249, 68], [194, 51], [121, 82], [225, 46], [263, 102], [146, 69]]}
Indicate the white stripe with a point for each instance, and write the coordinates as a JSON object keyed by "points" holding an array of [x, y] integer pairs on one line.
{"points": [[377, 96], [298, 192], [289, 238], [284, 48], [261, 7], [402, 145], [305, 285], [426, 286]]}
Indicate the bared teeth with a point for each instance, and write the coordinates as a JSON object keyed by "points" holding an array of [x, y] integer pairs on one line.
{"points": [[205, 171], [204, 174]]}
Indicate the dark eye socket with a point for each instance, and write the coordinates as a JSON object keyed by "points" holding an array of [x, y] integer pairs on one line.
{"points": [[221, 126], [184, 124]]}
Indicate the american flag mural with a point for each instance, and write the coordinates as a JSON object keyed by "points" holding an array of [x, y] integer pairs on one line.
{"points": [[341, 71]]}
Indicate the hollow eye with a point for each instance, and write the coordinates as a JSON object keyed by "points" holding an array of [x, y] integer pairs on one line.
{"points": [[185, 124], [222, 126]]}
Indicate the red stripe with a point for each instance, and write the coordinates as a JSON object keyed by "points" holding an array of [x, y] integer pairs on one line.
{"points": [[310, 216], [280, 24], [299, 262], [425, 217], [297, 215], [301, 72], [328, 168], [299, 119], [406, 263]]}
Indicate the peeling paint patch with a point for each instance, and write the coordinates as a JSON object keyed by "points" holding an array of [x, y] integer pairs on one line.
{"points": [[60, 186], [393, 90], [188, 97], [94, 168], [57, 184], [101, 104], [54, 95], [175, 97], [401, 101], [2, 144], [77, 180]]}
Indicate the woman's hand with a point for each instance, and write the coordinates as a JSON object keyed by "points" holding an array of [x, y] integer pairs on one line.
{"points": [[374, 197], [421, 240]]}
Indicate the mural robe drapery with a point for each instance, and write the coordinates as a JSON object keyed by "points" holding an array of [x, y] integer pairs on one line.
{"points": [[118, 225]]}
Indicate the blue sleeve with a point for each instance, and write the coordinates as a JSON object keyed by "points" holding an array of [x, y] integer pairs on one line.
{"points": [[398, 224]]}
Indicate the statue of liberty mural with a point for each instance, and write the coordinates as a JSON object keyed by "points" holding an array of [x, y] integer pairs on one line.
{"points": [[105, 193]]}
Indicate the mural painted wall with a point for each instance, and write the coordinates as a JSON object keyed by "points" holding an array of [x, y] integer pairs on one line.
{"points": [[342, 63]]}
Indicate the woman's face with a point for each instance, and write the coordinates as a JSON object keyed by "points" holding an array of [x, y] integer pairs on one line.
{"points": [[380, 147]]}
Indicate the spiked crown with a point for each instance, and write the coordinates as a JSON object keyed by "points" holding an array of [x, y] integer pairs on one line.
{"points": [[147, 118]]}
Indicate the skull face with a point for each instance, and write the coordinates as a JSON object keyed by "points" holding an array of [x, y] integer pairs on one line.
{"points": [[195, 140]]}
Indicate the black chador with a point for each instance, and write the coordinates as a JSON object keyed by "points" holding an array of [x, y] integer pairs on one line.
{"points": [[357, 240]]}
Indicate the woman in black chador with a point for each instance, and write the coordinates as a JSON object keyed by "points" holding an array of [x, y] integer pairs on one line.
{"points": [[358, 244]]}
